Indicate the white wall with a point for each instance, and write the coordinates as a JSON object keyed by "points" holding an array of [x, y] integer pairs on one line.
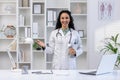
{"points": [[97, 30]]}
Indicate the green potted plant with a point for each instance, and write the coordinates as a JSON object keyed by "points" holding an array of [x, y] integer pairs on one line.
{"points": [[36, 46], [112, 46]]}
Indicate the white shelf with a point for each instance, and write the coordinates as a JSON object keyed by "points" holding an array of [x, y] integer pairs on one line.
{"points": [[38, 51], [24, 43], [9, 1], [79, 15], [27, 62], [49, 62], [38, 14], [7, 14], [39, 38], [84, 38], [26, 26], [7, 38], [24, 8], [50, 26], [39, 1], [80, 1], [6, 51]]}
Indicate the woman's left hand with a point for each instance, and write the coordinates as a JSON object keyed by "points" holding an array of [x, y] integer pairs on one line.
{"points": [[72, 51], [40, 43]]}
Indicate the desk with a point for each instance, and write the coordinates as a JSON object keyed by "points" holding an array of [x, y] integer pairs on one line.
{"points": [[57, 75]]}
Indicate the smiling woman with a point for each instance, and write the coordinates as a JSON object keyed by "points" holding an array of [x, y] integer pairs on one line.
{"points": [[64, 42]]}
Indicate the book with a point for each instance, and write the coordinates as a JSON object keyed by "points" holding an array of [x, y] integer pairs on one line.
{"points": [[20, 3], [25, 3], [21, 56], [27, 32], [35, 30], [54, 15], [37, 8], [50, 15], [21, 20]]}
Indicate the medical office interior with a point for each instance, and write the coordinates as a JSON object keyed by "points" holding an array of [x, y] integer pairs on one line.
{"points": [[24, 20]]}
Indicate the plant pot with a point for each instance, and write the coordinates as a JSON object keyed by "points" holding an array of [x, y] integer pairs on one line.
{"points": [[38, 48], [117, 68]]}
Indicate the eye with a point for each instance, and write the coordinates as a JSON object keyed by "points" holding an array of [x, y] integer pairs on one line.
{"points": [[67, 18], [62, 18]]}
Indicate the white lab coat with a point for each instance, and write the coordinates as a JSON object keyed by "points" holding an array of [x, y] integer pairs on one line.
{"points": [[58, 45]]}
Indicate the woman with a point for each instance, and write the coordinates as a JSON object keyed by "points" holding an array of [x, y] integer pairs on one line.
{"points": [[64, 43]]}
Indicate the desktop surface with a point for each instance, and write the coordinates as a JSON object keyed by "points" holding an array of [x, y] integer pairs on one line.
{"points": [[56, 75]]}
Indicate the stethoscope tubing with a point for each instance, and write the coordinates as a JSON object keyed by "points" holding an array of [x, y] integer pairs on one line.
{"points": [[58, 33]]}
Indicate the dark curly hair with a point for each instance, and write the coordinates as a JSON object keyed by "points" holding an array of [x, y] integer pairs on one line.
{"points": [[71, 24]]}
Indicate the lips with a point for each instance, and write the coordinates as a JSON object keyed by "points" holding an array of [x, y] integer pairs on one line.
{"points": [[64, 23]]}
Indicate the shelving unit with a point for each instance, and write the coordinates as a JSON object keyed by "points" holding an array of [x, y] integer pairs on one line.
{"points": [[78, 9], [38, 32], [32, 19], [24, 31], [8, 15]]}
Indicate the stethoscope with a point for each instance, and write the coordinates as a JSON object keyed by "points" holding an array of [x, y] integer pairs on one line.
{"points": [[59, 34]]}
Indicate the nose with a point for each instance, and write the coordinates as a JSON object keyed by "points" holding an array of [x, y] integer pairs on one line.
{"points": [[64, 19]]}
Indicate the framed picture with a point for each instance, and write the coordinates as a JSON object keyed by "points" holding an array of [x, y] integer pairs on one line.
{"points": [[81, 33], [36, 8], [105, 9]]}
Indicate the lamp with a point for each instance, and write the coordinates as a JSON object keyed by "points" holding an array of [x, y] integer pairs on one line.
{"points": [[27, 40], [10, 55]]}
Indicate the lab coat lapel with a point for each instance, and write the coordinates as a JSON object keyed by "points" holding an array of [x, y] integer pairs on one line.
{"points": [[68, 33], [61, 32], [65, 37]]}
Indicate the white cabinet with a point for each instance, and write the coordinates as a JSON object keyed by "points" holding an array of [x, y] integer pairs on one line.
{"points": [[36, 19]]}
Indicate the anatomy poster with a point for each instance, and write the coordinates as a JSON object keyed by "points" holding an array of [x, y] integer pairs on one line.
{"points": [[105, 9]]}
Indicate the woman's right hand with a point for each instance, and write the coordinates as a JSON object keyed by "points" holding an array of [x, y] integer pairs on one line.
{"points": [[40, 43], [72, 51]]}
